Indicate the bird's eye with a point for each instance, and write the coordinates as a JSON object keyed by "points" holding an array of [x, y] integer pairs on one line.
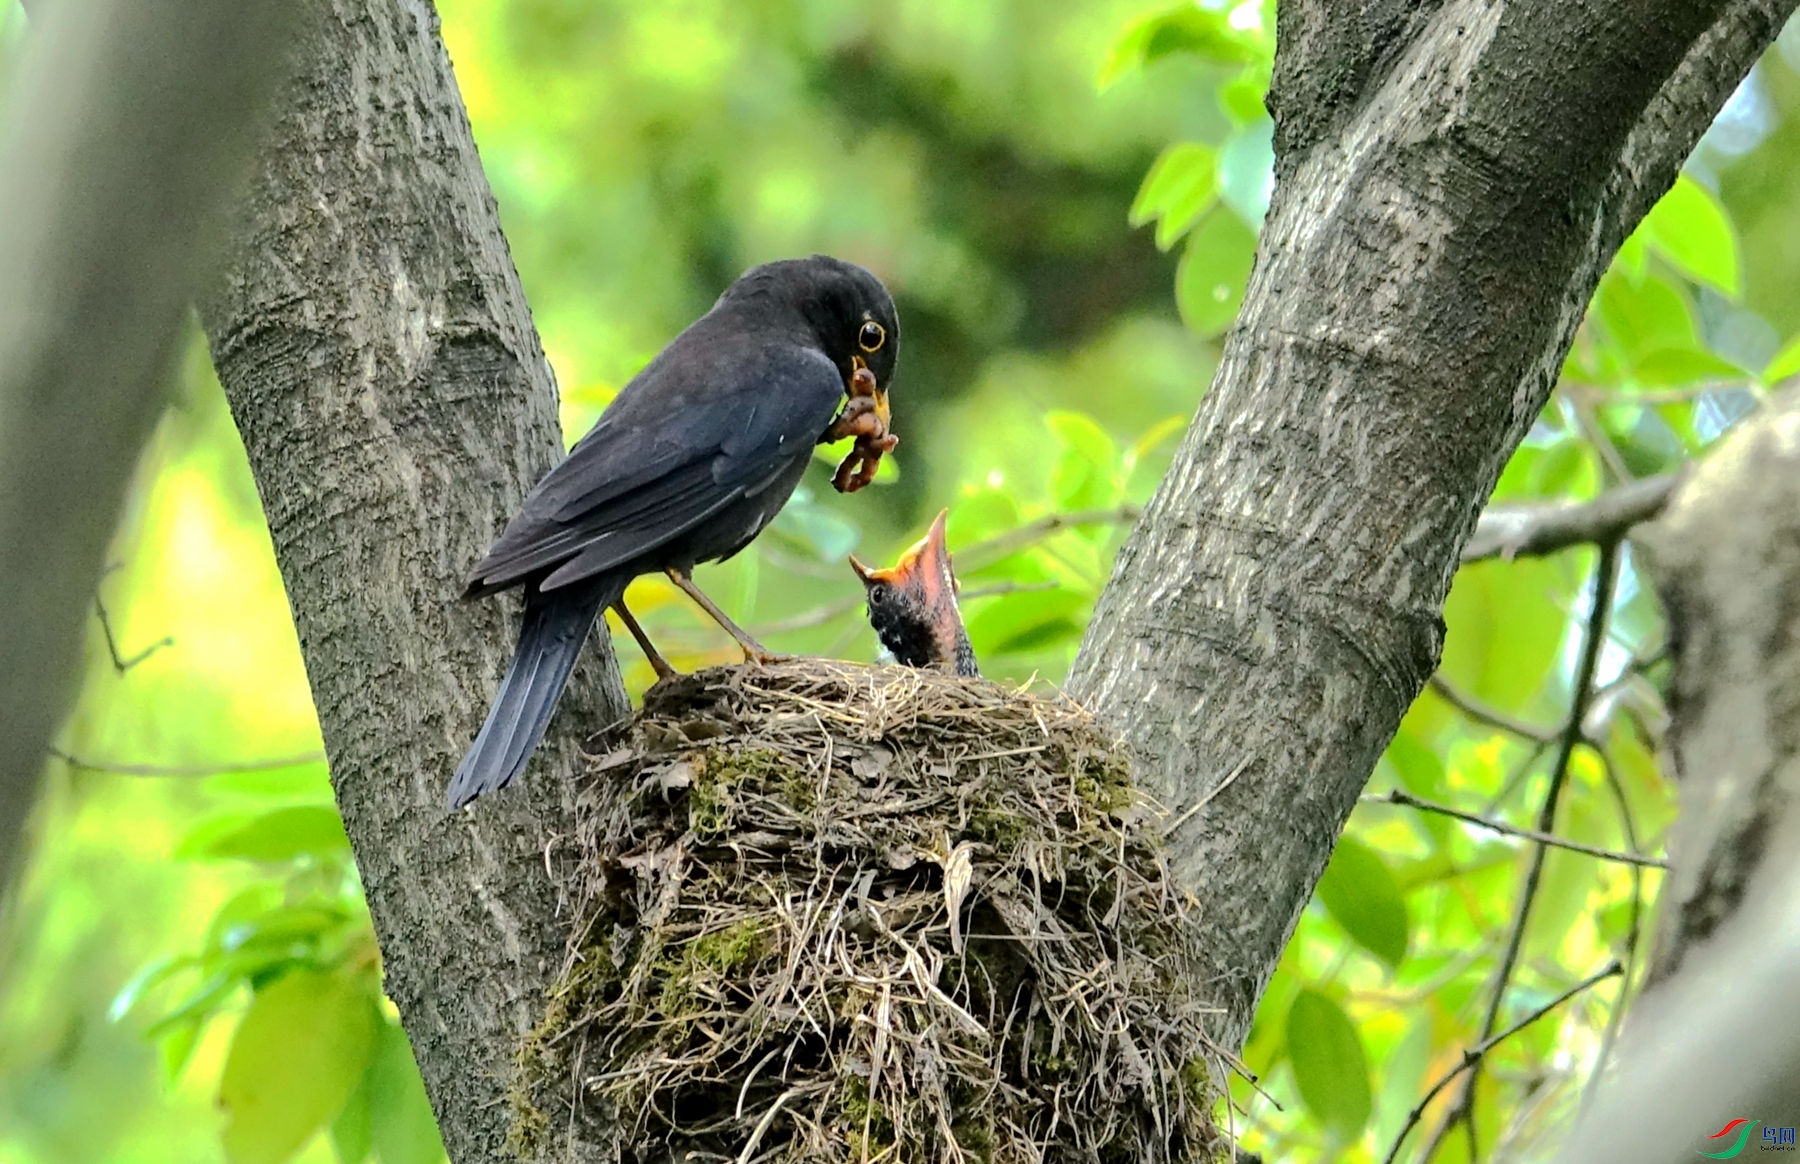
{"points": [[871, 337], [877, 595]]}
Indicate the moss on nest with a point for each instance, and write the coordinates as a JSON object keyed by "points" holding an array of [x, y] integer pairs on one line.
{"points": [[833, 912]]}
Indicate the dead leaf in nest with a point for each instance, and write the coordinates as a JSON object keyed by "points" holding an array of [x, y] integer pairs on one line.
{"points": [[676, 776], [959, 871], [871, 763], [616, 759]]}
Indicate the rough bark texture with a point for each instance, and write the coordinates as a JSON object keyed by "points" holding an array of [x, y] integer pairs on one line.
{"points": [[128, 126], [1726, 561], [1453, 179], [383, 369], [1717, 1034]]}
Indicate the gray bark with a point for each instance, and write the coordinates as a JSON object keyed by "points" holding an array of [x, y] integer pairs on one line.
{"points": [[128, 127], [1726, 561], [394, 399], [1717, 1033], [1453, 179]]}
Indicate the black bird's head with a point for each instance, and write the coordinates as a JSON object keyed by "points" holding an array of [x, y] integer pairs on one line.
{"points": [[844, 308], [913, 606]]}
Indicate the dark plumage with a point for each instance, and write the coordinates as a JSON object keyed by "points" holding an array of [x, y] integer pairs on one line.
{"points": [[692, 459], [913, 609]]}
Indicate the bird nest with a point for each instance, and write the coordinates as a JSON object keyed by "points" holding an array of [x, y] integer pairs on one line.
{"points": [[831, 912]]}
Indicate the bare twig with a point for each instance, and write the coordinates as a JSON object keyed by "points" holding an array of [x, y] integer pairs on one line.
{"points": [[219, 769], [1595, 432], [1511, 531], [120, 663], [1633, 934], [1594, 637], [1472, 1056], [1408, 800], [983, 553], [1488, 714]]}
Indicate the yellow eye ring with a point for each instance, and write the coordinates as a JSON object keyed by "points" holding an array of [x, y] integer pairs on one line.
{"points": [[871, 337]]}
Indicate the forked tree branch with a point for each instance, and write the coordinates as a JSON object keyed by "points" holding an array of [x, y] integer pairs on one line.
{"points": [[1432, 243]]}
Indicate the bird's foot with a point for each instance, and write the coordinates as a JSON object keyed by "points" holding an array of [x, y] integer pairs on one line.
{"points": [[763, 657]]}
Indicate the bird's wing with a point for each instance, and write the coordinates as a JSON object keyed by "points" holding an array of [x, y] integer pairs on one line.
{"points": [[638, 481]]}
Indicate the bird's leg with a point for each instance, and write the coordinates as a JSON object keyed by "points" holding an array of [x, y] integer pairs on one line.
{"points": [[659, 664], [754, 651]]}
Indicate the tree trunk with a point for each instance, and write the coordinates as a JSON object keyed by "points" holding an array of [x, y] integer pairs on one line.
{"points": [[126, 130], [1453, 179], [382, 367]]}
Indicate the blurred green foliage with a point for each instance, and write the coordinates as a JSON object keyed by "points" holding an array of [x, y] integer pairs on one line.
{"points": [[188, 971]]}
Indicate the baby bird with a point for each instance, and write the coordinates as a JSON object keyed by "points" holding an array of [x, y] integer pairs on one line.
{"points": [[913, 606]]}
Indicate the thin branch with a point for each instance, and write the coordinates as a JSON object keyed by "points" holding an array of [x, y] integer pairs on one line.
{"points": [[1596, 435], [120, 663], [1594, 637], [1511, 531], [1473, 1055], [985, 553], [186, 770], [1633, 934], [1488, 714], [1408, 800]]}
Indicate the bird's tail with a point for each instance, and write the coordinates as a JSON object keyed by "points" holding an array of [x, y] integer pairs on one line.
{"points": [[556, 625]]}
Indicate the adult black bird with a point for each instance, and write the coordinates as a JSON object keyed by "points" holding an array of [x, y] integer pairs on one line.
{"points": [[912, 606], [688, 464]]}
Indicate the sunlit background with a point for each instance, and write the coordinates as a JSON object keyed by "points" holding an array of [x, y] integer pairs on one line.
{"points": [[988, 158]]}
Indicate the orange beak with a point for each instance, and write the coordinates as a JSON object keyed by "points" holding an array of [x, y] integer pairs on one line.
{"points": [[923, 569]]}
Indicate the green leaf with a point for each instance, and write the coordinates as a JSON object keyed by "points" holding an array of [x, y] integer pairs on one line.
{"points": [[350, 1131], [176, 1047], [1329, 1065], [1242, 97], [1027, 622], [199, 1006], [1688, 227], [153, 974], [1209, 284], [825, 534], [1185, 28], [1360, 894], [282, 835], [1180, 187], [294, 1060], [401, 1124], [1085, 476], [1786, 363], [1641, 317], [1672, 367]]}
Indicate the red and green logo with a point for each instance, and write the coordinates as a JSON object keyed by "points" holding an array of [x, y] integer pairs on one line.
{"points": [[1742, 1128]]}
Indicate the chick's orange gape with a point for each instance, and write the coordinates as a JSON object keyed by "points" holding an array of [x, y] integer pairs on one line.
{"points": [[865, 417]]}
